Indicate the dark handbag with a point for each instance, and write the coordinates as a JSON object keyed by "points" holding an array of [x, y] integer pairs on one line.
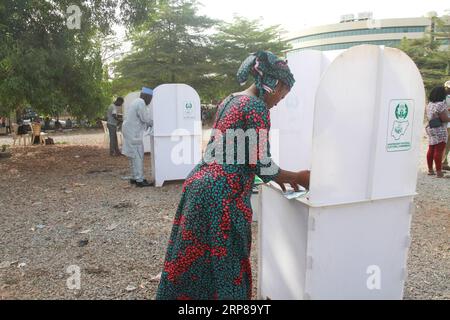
{"points": [[435, 123]]}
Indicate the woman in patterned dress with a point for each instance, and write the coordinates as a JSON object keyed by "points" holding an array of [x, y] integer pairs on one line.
{"points": [[437, 137], [208, 256]]}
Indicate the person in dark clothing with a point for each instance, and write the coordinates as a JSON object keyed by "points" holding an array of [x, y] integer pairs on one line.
{"points": [[113, 122]]}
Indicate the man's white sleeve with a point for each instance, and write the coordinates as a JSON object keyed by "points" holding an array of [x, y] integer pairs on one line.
{"points": [[144, 115]]}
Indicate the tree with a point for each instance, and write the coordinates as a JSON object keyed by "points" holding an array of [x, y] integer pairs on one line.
{"points": [[134, 13], [430, 54], [170, 46], [173, 45], [234, 43], [45, 64]]}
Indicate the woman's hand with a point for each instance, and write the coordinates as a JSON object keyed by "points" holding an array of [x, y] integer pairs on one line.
{"points": [[294, 179], [303, 178]]}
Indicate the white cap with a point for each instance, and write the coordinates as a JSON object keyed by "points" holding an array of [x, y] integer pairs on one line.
{"points": [[447, 84]]}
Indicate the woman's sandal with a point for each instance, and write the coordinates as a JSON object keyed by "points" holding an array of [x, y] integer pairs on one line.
{"points": [[440, 174], [431, 173]]}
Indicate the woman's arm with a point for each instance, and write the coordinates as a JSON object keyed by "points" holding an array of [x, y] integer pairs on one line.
{"points": [[293, 178], [444, 116]]}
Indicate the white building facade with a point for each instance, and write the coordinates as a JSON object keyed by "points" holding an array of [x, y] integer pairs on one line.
{"points": [[363, 30]]}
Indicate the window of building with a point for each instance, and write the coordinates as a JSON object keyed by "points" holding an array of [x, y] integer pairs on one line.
{"points": [[358, 32], [342, 46]]}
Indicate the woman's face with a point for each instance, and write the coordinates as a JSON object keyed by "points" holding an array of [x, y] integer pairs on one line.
{"points": [[272, 99]]}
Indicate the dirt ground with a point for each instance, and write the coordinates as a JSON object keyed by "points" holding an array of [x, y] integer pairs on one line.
{"points": [[68, 205]]}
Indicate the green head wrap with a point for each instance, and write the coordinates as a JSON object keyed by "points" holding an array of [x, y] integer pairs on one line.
{"points": [[267, 70]]}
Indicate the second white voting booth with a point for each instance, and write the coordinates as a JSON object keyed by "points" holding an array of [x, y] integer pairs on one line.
{"points": [[177, 132], [349, 238]]}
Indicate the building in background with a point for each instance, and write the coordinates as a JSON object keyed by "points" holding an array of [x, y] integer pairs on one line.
{"points": [[363, 29]]}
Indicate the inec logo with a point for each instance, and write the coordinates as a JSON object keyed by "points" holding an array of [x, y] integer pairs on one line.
{"points": [[189, 110], [401, 112], [400, 125]]}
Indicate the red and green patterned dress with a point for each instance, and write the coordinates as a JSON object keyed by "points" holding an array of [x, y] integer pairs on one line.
{"points": [[208, 255]]}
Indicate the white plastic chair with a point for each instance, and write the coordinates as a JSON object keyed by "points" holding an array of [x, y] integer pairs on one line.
{"points": [[36, 131], [106, 135]]}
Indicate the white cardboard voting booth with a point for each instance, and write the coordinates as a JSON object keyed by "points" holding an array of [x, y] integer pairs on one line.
{"points": [[177, 132], [128, 100], [350, 237], [292, 119]]}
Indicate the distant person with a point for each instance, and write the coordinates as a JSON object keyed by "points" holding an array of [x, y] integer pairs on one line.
{"points": [[6, 124], [203, 113], [47, 123], [445, 165], [21, 130], [136, 123], [113, 122], [68, 124], [437, 130], [58, 125]]}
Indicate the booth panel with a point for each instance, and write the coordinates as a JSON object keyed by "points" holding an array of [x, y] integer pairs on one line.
{"points": [[282, 247], [298, 158], [188, 109], [343, 121], [354, 246], [292, 118], [256, 205], [176, 110], [174, 158], [164, 110], [402, 103]]}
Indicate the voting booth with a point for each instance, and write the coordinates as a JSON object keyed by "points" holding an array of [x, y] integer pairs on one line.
{"points": [[292, 119], [128, 100], [176, 139], [355, 120]]}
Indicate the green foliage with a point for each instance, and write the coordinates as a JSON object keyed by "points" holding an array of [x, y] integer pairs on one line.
{"points": [[45, 65], [235, 42], [176, 45], [136, 12], [48, 66], [430, 56], [170, 46]]}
